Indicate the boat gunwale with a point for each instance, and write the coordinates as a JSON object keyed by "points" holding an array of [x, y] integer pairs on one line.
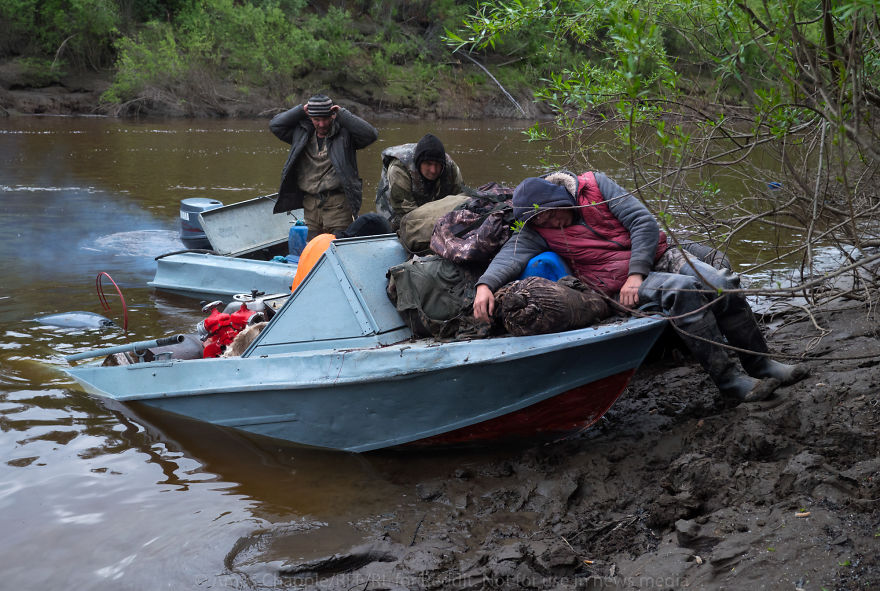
{"points": [[555, 342]]}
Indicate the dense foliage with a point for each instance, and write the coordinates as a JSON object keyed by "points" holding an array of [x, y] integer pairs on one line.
{"points": [[189, 48], [698, 90], [76, 33]]}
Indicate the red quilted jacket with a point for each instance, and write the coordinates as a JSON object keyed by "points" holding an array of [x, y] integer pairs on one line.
{"points": [[597, 248]]}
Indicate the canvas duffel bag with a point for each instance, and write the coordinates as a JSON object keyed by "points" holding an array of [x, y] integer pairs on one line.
{"points": [[435, 297], [417, 226]]}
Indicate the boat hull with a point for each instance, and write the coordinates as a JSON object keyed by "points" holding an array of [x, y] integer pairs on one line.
{"points": [[566, 413], [372, 398], [209, 276]]}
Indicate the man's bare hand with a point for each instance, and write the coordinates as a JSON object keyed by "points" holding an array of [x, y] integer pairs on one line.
{"points": [[629, 293], [484, 303]]}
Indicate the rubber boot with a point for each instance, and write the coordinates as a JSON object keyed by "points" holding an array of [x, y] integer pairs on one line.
{"points": [[733, 383], [742, 331]]}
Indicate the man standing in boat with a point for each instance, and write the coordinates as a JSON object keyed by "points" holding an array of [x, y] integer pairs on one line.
{"points": [[614, 244], [321, 173], [426, 174]]}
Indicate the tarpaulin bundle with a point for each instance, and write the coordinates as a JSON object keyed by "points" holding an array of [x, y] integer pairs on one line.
{"points": [[465, 236], [536, 305]]}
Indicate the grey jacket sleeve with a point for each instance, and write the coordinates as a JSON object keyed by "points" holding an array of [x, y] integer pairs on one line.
{"points": [[362, 133], [644, 232], [513, 258], [284, 124]]}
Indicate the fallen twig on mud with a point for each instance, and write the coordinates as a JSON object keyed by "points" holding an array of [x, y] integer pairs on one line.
{"points": [[607, 527], [416, 532]]}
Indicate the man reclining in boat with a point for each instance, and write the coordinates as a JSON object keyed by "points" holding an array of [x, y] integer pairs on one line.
{"points": [[614, 244]]}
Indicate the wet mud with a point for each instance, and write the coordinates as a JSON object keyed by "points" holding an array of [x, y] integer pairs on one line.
{"points": [[673, 489]]}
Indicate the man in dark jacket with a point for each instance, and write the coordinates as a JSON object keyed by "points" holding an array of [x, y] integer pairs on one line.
{"points": [[429, 175], [321, 173], [614, 244]]}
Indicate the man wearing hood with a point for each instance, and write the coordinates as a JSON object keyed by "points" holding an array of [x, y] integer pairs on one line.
{"points": [[614, 244], [430, 175], [321, 173]]}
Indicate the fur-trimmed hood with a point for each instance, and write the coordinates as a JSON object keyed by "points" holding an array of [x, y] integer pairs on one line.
{"points": [[556, 189]]}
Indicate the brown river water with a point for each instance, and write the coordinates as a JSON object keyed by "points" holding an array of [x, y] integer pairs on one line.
{"points": [[89, 497]]}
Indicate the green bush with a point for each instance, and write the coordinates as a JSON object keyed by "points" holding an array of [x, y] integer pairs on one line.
{"points": [[40, 72], [79, 31], [152, 59], [248, 44]]}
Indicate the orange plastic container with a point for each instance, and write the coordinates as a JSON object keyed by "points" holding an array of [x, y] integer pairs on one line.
{"points": [[310, 255]]}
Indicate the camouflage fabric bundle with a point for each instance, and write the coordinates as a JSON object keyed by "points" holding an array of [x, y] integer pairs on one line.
{"points": [[495, 190], [476, 230], [463, 236], [535, 305]]}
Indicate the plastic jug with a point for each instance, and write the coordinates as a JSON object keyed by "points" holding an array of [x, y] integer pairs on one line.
{"points": [[548, 265], [296, 240]]}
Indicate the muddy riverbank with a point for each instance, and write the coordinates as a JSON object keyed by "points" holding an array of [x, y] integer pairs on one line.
{"points": [[672, 490]]}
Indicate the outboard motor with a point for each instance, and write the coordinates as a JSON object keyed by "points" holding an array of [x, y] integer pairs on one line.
{"points": [[219, 329], [191, 233], [226, 321]]}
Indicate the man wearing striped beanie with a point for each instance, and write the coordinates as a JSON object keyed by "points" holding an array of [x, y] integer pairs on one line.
{"points": [[321, 173]]}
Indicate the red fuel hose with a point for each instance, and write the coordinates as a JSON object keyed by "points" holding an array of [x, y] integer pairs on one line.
{"points": [[99, 287]]}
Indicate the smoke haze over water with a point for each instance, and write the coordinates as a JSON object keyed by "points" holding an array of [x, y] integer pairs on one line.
{"points": [[69, 230]]}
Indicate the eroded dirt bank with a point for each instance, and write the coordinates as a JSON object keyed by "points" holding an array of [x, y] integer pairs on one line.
{"points": [[80, 94], [672, 490]]}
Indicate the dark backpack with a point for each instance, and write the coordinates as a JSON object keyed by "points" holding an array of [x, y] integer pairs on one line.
{"points": [[435, 297]]}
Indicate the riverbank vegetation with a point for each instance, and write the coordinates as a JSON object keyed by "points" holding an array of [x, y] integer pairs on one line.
{"points": [[230, 57], [701, 93]]}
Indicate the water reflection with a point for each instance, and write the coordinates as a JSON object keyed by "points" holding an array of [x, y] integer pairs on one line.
{"points": [[81, 506]]}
